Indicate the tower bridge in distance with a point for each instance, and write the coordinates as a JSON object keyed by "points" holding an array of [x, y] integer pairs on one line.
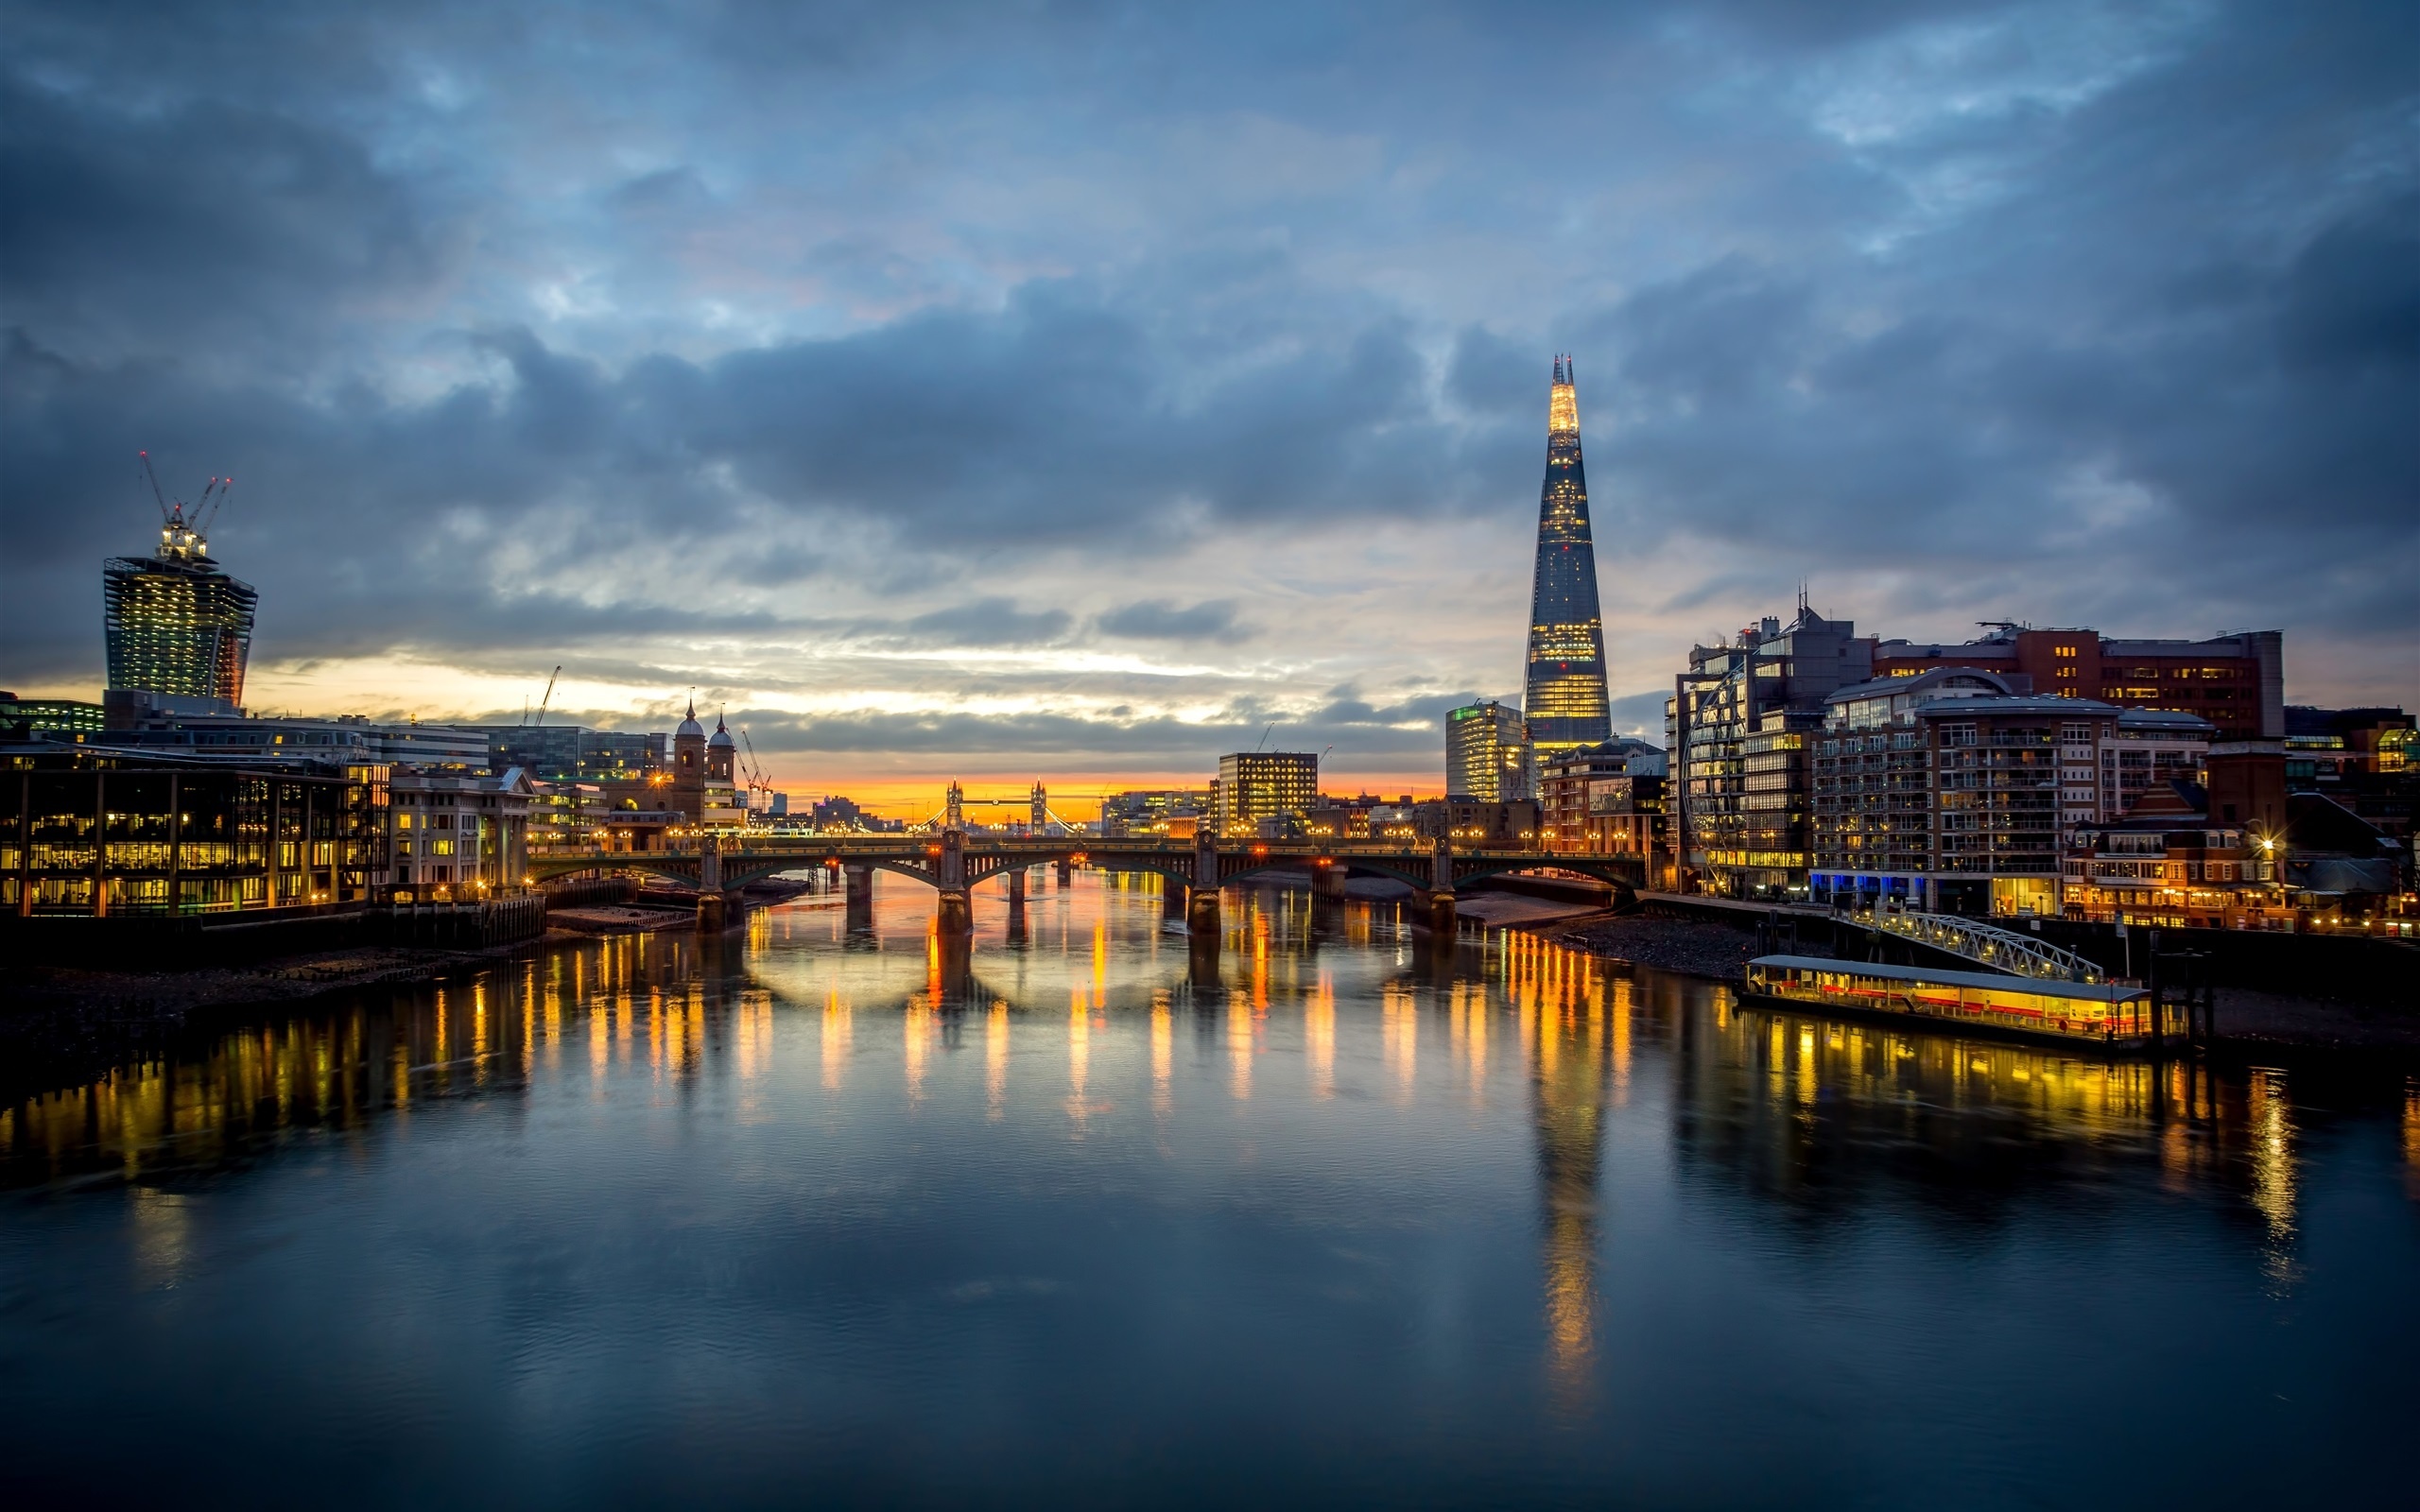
{"points": [[953, 863]]}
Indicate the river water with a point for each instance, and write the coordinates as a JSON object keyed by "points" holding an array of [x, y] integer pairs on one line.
{"points": [[795, 1216]]}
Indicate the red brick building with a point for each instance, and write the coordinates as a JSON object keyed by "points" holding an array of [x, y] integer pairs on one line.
{"points": [[2235, 681]]}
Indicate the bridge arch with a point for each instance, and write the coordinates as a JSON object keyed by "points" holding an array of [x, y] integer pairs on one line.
{"points": [[678, 867]]}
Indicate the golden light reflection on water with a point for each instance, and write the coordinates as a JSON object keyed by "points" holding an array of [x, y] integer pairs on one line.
{"points": [[1163, 1054], [752, 1036], [1399, 1035], [1080, 1056], [996, 1062], [2412, 1137], [1773, 1103], [2272, 1169], [1561, 1009], [1319, 1035], [916, 1032], [1239, 1048], [334, 1066], [839, 1027]]}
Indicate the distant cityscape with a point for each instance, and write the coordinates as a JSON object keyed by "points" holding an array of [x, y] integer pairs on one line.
{"points": [[2041, 772]]}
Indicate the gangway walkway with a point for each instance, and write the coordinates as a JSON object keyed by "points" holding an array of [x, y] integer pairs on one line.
{"points": [[2001, 949]]}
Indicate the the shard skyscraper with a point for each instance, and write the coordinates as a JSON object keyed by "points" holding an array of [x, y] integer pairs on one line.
{"points": [[1566, 703]]}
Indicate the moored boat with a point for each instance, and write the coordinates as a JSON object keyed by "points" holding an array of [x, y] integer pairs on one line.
{"points": [[2102, 1013]]}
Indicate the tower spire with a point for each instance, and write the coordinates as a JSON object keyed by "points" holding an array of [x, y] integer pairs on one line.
{"points": [[1566, 703]]}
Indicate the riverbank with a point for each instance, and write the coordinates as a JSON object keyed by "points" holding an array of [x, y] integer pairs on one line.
{"points": [[1699, 948]]}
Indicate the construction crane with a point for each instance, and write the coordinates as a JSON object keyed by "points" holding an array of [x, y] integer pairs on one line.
{"points": [[206, 509], [153, 473], [187, 524], [547, 699], [752, 768]]}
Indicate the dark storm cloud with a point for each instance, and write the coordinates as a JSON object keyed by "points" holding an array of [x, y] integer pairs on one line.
{"points": [[219, 232], [954, 431], [2047, 310]]}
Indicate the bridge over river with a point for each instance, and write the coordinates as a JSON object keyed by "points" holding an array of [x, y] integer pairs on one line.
{"points": [[953, 861]]}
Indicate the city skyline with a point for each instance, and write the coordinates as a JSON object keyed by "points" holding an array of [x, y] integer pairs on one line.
{"points": [[930, 429]]}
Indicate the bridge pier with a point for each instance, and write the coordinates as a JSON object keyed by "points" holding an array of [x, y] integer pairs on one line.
{"points": [[1441, 911], [1016, 888], [1327, 880], [858, 882], [1066, 875], [1171, 899], [1440, 889], [1201, 913], [712, 912], [1202, 961], [1201, 902], [955, 915], [955, 957]]}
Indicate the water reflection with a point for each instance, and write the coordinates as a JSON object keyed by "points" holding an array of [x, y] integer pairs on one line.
{"points": [[1340, 1078]]}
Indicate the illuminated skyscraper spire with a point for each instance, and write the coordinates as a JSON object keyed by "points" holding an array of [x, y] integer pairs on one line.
{"points": [[1566, 703]]}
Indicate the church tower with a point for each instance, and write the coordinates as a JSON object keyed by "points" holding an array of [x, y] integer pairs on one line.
{"points": [[690, 759]]}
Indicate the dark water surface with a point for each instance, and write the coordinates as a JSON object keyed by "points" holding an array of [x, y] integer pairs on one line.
{"points": [[789, 1218]]}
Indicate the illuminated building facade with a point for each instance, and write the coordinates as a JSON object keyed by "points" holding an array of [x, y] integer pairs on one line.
{"points": [[1171, 813], [348, 739], [2237, 682], [1257, 785], [1487, 753], [1566, 782], [1566, 703], [454, 837], [104, 833], [566, 753], [59, 718], [2326, 747], [1947, 793], [1737, 728], [2168, 863], [175, 622], [1625, 818], [1473, 824]]}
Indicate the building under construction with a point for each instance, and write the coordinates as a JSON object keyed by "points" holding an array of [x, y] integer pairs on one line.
{"points": [[179, 627]]}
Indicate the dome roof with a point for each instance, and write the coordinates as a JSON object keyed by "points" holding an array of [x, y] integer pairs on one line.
{"points": [[689, 725], [722, 736]]}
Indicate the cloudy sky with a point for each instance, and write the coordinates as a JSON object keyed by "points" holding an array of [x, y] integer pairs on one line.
{"points": [[1078, 389]]}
